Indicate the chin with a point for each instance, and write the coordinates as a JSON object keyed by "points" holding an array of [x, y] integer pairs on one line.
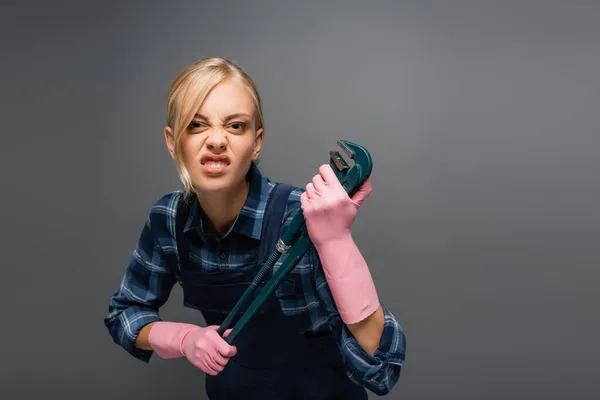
{"points": [[212, 186], [209, 184]]}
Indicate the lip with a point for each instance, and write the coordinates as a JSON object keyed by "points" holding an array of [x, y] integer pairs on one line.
{"points": [[206, 159], [214, 158]]}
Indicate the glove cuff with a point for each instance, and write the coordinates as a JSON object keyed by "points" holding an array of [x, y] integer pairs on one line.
{"points": [[166, 338], [349, 279]]}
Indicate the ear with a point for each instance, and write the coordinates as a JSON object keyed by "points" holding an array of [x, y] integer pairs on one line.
{"points": [[170, 140], [257, 144]]}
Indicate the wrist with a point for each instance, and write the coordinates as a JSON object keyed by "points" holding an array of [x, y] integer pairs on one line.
{"points": [[340, 257], [333, 244], [166, 338], [184, 337]]}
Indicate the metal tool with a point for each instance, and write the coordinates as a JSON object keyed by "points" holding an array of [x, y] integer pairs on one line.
{"points": [[296, 241]]}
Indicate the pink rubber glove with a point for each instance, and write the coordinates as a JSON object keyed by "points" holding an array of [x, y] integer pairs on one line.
{"points": [[329, 213], [203, 347]]}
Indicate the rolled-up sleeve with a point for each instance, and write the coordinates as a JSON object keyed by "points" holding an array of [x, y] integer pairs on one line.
{"points": [[378, 372], [144, 288]]}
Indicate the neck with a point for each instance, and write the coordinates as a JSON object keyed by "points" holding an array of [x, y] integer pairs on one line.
{"points": [[221, 208]]}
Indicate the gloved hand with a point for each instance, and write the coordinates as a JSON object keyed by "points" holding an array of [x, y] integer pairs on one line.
{"points": [[329, 213], [203, 347]]}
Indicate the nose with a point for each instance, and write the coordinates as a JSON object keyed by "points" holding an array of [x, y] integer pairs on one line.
{"points": [[216, 140]]}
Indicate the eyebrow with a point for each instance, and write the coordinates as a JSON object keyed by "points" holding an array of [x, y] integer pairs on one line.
{"points": [[229, 117]]}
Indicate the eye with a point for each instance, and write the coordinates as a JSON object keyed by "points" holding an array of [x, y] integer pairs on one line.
{"points": [[237, 126], [195, 125]]}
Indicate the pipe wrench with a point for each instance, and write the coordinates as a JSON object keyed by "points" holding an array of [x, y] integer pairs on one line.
{"points": [[296, 241]]}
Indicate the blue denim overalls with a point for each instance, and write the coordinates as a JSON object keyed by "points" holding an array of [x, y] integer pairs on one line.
{"points": [[273, 361]]}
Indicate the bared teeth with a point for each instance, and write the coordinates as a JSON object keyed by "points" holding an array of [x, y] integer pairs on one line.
{"points": [[215, 164]]}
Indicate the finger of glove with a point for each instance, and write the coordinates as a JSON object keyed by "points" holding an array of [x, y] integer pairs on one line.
{"points": [[215, 360], [329, 177], [310, 191], [319, 184], [363, 191], [218, 360], [208, 366], [223, 348], [305, 203], [203, 363], [227, 332]]}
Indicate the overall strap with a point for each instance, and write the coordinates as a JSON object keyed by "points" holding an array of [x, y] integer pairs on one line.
{"points": [[182, 213], [272, 219]]}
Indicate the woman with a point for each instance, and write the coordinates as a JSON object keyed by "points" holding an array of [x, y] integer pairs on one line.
{"points": [[322, 333]]}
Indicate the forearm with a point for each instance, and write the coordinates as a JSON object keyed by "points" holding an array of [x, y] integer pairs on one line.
{"points": [[142, 341], [373, 347], [353, 291], [368, 331]]}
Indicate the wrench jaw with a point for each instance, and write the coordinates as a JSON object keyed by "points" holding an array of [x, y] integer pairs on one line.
{"points": [[339, 165], [348, 148], [353, 172]]}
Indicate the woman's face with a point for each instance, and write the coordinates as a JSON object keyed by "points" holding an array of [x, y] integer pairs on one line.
{"points": [[222, 139]]}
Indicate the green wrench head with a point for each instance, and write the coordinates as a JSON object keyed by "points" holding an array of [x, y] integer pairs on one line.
{"points": [[354, 172]]}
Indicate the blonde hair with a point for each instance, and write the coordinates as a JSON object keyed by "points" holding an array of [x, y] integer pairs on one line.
{"points": [[187, 92]]}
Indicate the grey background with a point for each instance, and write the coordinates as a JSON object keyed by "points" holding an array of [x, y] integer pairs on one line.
{"points": [[481, 232]]}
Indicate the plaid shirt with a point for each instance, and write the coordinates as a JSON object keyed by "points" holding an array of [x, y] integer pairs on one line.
{"points": [[153, 270]]}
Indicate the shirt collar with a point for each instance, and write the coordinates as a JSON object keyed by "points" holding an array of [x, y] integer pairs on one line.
{"points": [[249, 221]]}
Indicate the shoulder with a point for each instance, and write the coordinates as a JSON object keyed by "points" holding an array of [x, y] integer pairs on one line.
{"points": [[163, 211]]}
